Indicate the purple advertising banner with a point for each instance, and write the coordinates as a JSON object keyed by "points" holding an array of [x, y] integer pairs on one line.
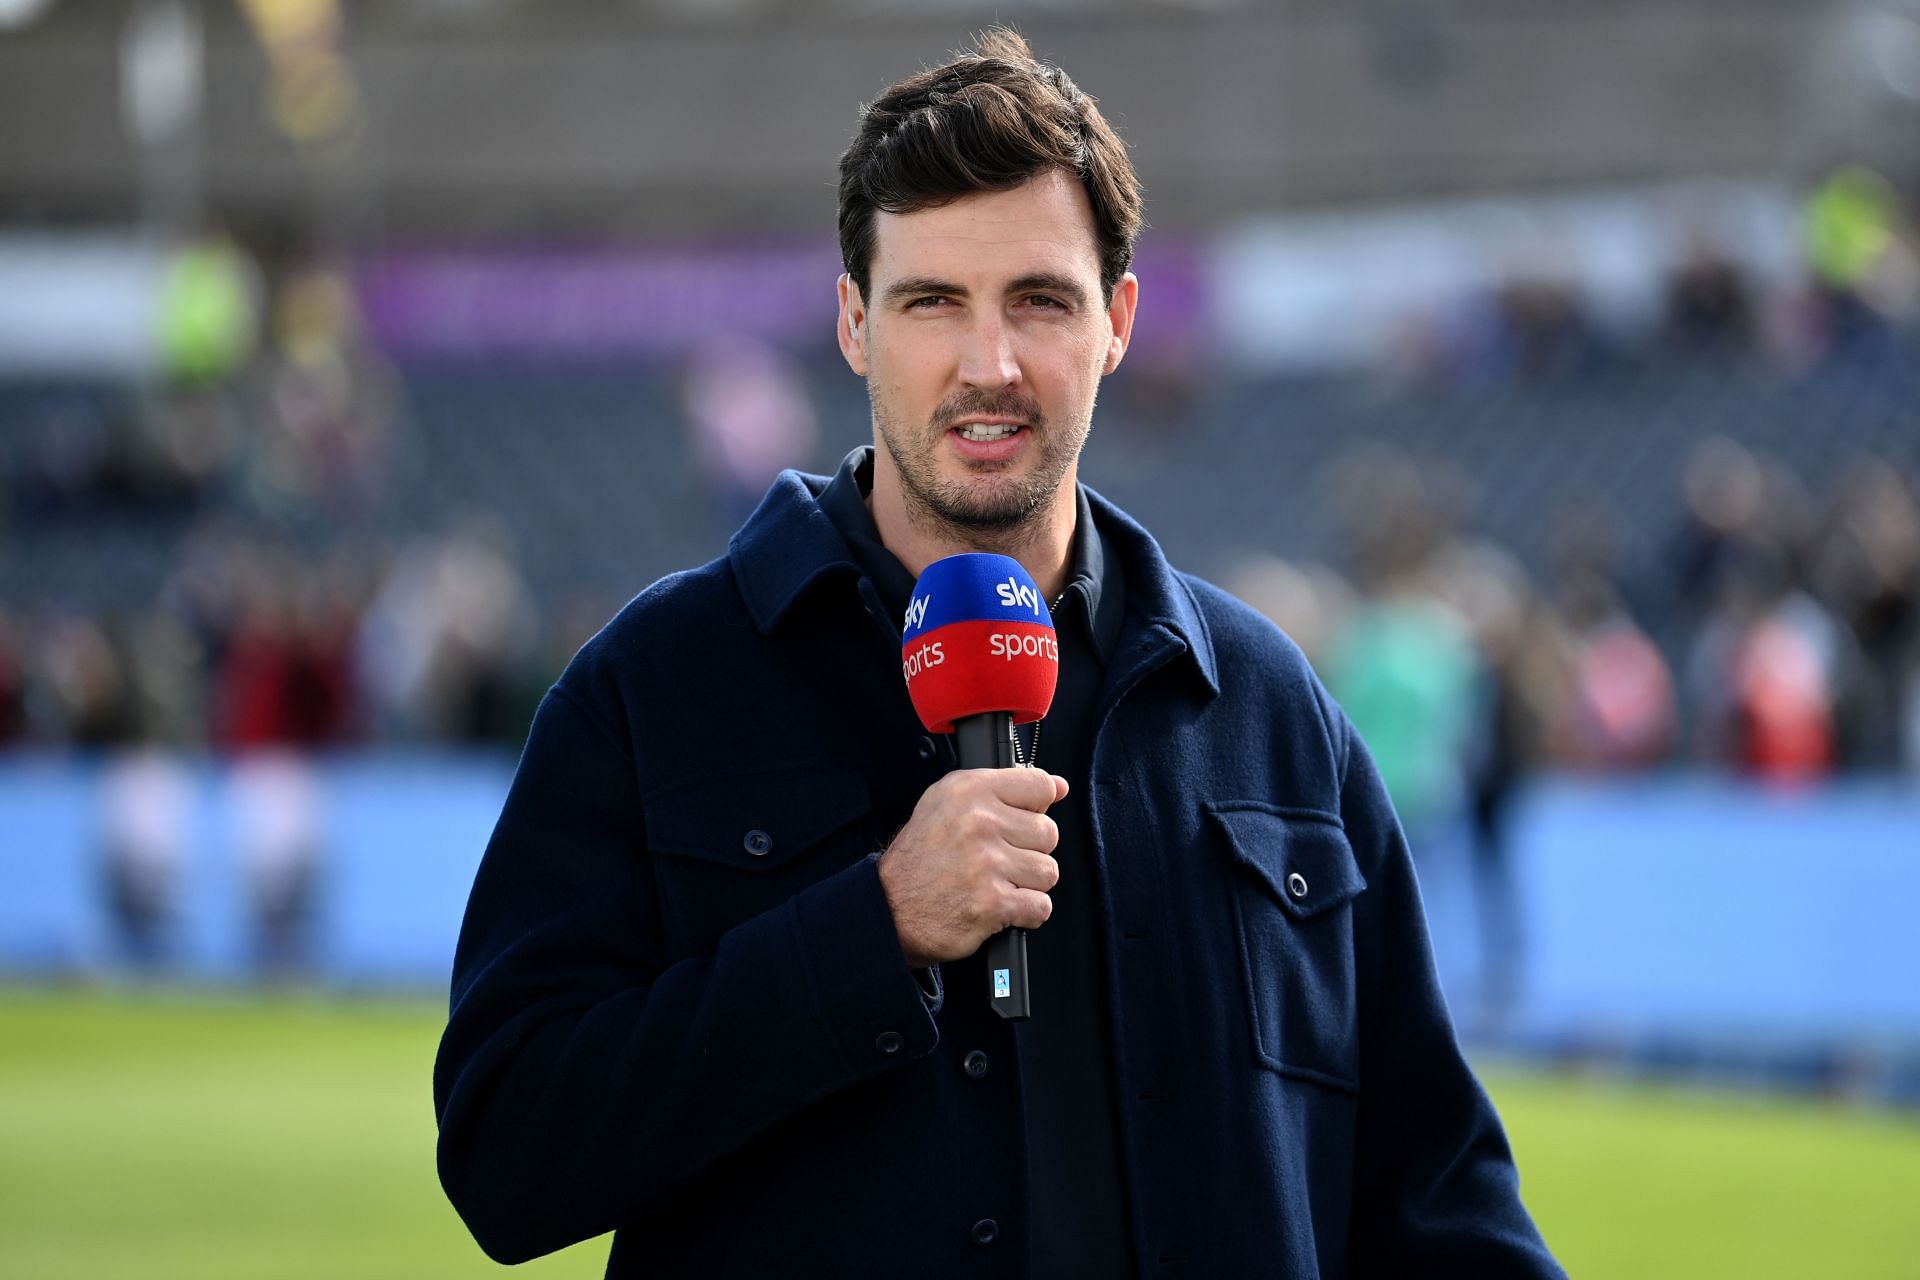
{"points": [[575, 303], [583, 303]]}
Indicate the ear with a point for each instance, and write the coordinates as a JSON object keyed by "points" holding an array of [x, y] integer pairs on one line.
{"points": [[1126, 293], [853, 325]]}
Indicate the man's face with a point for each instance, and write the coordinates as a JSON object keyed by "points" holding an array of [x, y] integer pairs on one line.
{"points": [[983, 343]]}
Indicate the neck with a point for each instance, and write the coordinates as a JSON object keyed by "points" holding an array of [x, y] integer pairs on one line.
{"points": [[917, 537]]}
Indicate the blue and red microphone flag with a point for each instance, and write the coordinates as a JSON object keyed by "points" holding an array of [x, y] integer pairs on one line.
{"points": [[978, 638]]}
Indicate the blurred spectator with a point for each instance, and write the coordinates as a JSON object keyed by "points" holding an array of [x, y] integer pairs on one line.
{"points": [[12, 682], [1710, 309], [79, 694], [443, 643], [168, 672], [1863, 268], [147, 801], [208, 311], [1403, 665], [1621, 711], [285, 670], [751, 418], [1531, 325], [1784, 695], [1545, 329], [1769, 666], [322, 442], [1722, 490], [1761, 674], [1518, 694], [277, 811], [1865, 567]]}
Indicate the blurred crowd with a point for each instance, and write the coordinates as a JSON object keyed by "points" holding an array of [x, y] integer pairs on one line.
{"points": [[253, 643], [284, 616], [1779, 636], [298, 605], [1855, 286], [1776, 633]]}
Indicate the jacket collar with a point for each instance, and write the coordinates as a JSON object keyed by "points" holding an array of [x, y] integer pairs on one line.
{"points": [[1160, 595], [788, 547]]}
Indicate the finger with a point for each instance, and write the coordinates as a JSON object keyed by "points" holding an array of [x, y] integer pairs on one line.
{"points": [[1029, 870], [1025, 788], [1035, 831], [1059, 788], [1028, 909]]}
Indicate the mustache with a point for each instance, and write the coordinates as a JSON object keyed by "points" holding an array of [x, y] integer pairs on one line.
{"points": [[1003, 404]]}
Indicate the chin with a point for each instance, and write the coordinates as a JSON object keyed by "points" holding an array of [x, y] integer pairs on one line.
{"points": [[993, 506]]}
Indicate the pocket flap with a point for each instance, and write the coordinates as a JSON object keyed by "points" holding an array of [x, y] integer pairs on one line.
{"points": [[1304, 858], [755, 821]]}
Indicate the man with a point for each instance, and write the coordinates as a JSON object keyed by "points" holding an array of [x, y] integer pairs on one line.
{"points": [[719, 986]]}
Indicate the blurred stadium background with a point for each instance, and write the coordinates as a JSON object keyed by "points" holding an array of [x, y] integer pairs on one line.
{"points": [[1552, 374]]}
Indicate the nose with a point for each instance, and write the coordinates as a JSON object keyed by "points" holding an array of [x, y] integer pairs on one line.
{"points": [[989, 358]]}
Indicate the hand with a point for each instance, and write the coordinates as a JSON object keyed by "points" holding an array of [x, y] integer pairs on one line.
{"points": [[974, 859]]}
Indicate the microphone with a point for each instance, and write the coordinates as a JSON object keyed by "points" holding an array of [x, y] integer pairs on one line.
{"points": [[980, 656]]}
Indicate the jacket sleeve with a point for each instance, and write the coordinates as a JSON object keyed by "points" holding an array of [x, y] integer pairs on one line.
{"points": [[581, 1079], [1436, 1191]]}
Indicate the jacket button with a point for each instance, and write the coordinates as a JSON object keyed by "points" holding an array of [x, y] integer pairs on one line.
{"points": [[1297, 886], [890, 1042], [976, 1064], [927, 748], [758, 843], [985, 1232]]}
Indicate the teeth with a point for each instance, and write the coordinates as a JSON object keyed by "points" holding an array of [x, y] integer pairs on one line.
{"points": [[982, 432]]}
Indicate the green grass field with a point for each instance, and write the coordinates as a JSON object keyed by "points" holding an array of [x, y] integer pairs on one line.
{"points": [[208, 1137]]}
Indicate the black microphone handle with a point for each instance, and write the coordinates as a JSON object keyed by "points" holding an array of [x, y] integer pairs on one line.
{"points": [[986, 742]]}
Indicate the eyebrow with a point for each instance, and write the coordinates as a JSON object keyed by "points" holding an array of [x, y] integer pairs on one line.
{"points": [[1038, 282], [919, 286], [1047, 282]]}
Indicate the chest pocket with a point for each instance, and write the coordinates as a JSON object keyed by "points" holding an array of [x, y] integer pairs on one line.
{"points": [[729, 848], [1293, 894]]}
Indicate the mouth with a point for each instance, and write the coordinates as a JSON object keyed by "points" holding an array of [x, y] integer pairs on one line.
{"points": [[988, 432], [990, 442]]}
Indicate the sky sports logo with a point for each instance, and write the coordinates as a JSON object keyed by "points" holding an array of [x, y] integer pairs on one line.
{"points": [[918, 660], [1008, 645], [1014, 595], [917, 610]]}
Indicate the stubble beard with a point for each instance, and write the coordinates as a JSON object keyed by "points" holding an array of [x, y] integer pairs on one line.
{"points": [[991, 511]]}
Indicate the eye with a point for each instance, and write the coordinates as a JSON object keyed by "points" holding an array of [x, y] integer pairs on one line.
{"points": [[928, 303], [1044, 302]]}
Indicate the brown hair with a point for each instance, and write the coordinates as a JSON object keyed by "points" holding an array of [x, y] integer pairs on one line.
{"points": [[986, 121]]}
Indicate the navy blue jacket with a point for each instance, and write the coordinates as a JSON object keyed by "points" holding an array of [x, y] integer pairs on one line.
{"points": [[680, 1009]]}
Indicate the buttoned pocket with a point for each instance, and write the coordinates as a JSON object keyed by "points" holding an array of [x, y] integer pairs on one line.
{"points": [[730, 847], [756, 821], [1294, 883]]}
